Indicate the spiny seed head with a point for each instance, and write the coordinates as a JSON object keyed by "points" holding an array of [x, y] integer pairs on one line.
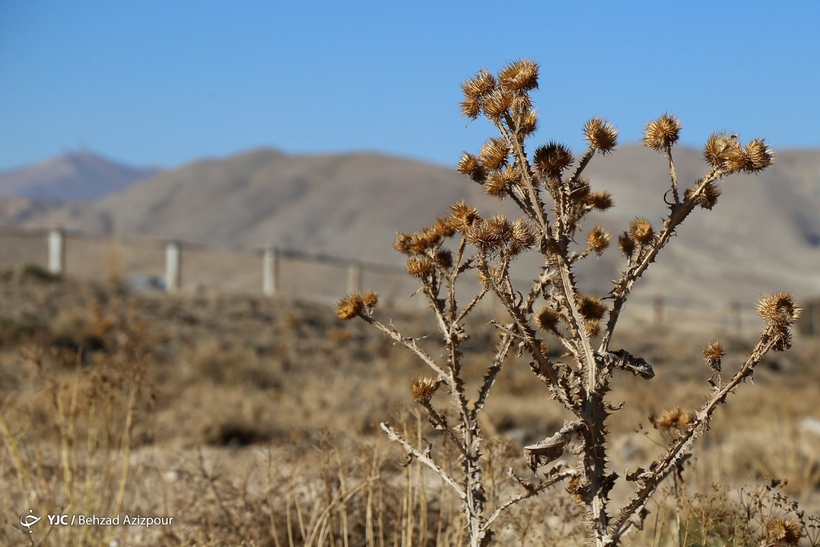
{"points": [[444, 227], [552, 159], [724, 151], [350, 306], [626, 244], [497, 103], [547, 319], [529, 123], [523, 233], [641, 230], [423, 389], [402, 243], [521, 75], [591, 308], [708, 197], [480, 85], [778, 310], [758, 156], [370, 299], [463, 216], [713, 354], [600, 200], [784, 532], [493, 154], [444, 258], [420, 266], [662, 133], [470, 166], [489, 233], [470, 107], [598, 240], [601, 135], [593, 327], [673, 419], [496, 184], [425, 239]]}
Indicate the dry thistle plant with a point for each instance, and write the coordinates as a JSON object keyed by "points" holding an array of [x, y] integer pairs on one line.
{"points": [[554, 196]]}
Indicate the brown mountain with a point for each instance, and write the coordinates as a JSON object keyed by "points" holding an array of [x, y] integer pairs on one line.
{"points": [[76, 176], [763, 234]]}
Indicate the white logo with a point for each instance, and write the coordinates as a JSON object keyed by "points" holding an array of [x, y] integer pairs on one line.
{"points": [[29, 520]]}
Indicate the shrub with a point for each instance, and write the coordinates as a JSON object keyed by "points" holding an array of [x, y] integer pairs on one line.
{"points": [[554, 196]]}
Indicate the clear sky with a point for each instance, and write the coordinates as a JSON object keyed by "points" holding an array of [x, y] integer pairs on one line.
{"points": [[163, 83]]}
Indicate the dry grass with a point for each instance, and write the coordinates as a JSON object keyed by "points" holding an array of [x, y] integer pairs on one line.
{"points": [[254, 421]]}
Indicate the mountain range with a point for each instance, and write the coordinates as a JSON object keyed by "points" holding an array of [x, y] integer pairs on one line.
{"points": [[764, 234]]}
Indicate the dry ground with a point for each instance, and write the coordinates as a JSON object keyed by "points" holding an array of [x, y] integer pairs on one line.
{"points": [[255, 421]]}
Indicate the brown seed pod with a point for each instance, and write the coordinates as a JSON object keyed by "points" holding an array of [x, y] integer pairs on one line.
{"points": [[758, 156], [521, 75], [402, 243], [779, 309], [784, 532], [350, 306], [470, 107], [641, 230], [601, 135], [713, 354], [708, 197], [591, 307], [420, 266], [479, 86], [600, 200], [497, 103], [529, 123], [626, 244], [463, 216], [523, 233], [423, 389], [370, 299], [470, 166], [547, 319], [598, 240], [724, 151], [494, 154], [662, 133], [552, 159]]}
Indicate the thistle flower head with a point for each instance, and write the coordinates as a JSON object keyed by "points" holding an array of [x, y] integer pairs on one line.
{"points": [[350, 306], [598, 240], [641, 230], [420, 266], [521, 75], [370, 299], [496, 184], [444, 258], [758, 156], [523, 233], [778, 310], [662, 133], [497, 103], [591, 307], [713, 354], [423, 389], [601, 135], [673, 419], [724, 152], [784, 532], [494, 154], [470, 166], [480, 85], [470, 107], [402, 243], [708, 197], [626, 244], [462, 216], [528, 123], [600, 200], [547, 319], [552, 159]]}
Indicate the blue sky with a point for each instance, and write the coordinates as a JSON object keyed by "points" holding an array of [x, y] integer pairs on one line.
{"points": [[163, 83]]}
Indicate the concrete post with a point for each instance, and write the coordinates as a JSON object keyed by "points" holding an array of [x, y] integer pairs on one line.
{"points": [[173, 270], [354, 277], [56, 251], [270, 271]]}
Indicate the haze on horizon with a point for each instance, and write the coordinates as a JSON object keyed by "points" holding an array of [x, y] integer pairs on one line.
{"points": [[162, 84]]}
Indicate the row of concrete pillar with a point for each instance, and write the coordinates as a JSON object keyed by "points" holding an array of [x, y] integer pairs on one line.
{"points": [[173, 265]]}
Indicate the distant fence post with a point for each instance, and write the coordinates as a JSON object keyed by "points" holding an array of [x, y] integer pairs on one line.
{"points": [[354, 277], [657, 310], [270, 271], [56, 251], [173, 272]]}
